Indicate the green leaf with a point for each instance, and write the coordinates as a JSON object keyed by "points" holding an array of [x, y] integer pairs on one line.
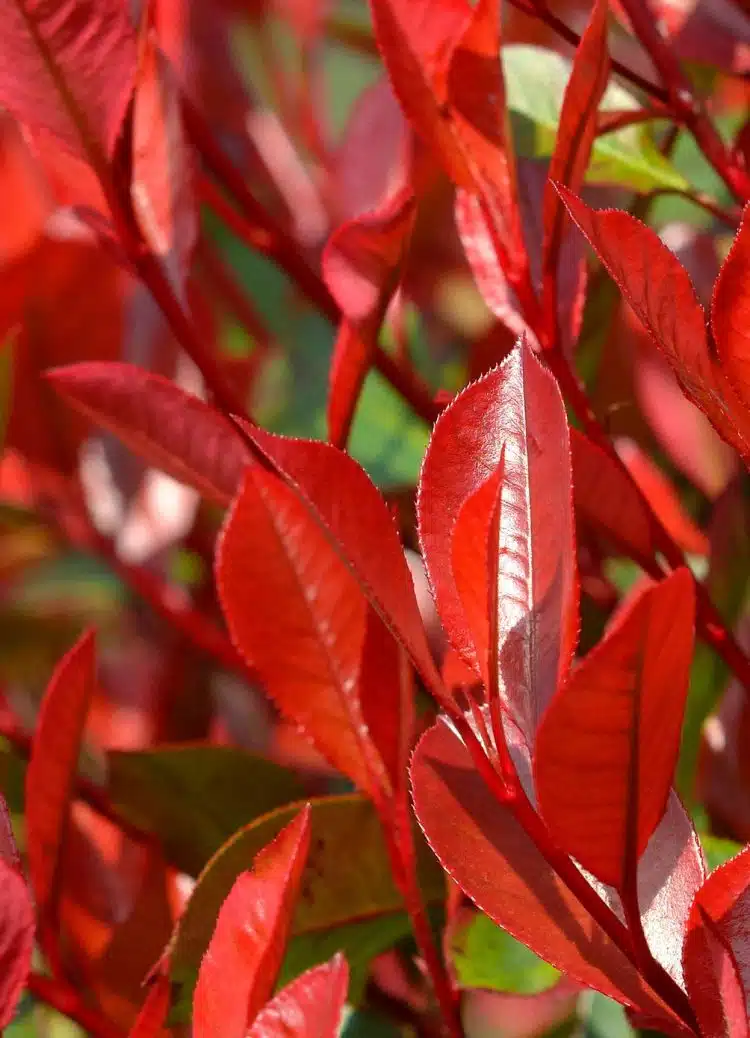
{"points": [[535, 83], [195, 797], [718, 850], [485, 956], [348, 897]]}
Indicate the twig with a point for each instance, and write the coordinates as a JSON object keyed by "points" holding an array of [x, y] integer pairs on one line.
{"points": [[681, 100]]}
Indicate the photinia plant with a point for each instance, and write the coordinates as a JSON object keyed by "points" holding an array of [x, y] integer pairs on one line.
{"points": [[375, 415]]}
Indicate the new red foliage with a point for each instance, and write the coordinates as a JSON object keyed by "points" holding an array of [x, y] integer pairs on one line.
{"points": [[207, 218]]}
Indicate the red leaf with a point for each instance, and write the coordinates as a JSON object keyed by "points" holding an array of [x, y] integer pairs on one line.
{"points": [[607, 746], [309, 1007], [162, 186], [658, 289], [16, 923], [575, 136], [416, 39], [239, 969], [730, 311], [150, 1022], [516, 408], [339, 495], [68, 68], [361, 266], [296, 610], [712, 979], [492, 858], [171, 429], [52, 769], [722, 904]]}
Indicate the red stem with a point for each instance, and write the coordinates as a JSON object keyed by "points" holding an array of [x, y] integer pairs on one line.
{"points": [[685, 106], [66, 1000], [396, 822]]}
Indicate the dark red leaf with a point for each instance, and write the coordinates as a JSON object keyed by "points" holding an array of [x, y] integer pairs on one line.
{"points": [[68, 68], [309, 1007], [662, 498], [607, 746], [16, 922], [488, 853], [355, 519], [239, 969], [294, 609], [712, 979], [171, 429], [52, 769], [162, 189], [516, 408], [659, 290], [607, 500], [575, 137], [730, 311]]}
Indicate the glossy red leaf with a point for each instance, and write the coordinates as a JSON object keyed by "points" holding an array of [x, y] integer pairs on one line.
{"points": [[169, 428], [51, 773], [238, 971], [309, 1007], [68, 68], [489, 854], [16, 922], [162, 189], [575, 137], [607, 746], [730, 311], [416, 39], [151, 1020], [712, 979], [474, 555], [659, 290], [516, 408], [294, 609], [355, 519], [361, 265], [722, 904]]}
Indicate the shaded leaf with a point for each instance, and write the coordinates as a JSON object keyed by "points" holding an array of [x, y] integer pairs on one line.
{"points": [[69, 68], [309, 1007], [238, 971], [171, 429], [361, 266], [52, 768], [515, 408], [485, 956], [607, 746], [194, 797]]}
